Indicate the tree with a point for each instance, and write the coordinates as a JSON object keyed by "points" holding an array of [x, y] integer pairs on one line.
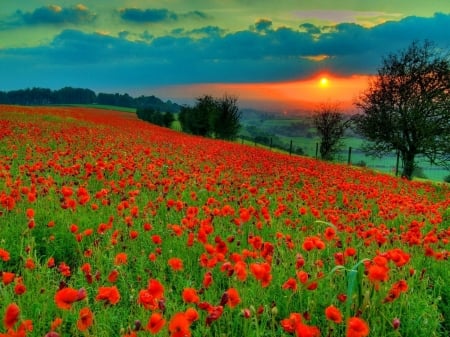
{"points": [[212, 117], [330, 124], [407, 106], [226, 123]]}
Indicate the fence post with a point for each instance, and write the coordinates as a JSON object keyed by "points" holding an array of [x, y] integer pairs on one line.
{"points": [[349, 160], [290, 148], [398, 162], [317, 150]]}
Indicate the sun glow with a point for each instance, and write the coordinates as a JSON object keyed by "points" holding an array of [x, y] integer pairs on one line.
{"points": [[324, 82]]}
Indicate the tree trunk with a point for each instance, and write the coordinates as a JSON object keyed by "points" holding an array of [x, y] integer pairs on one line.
{"points": [[408, 164]]}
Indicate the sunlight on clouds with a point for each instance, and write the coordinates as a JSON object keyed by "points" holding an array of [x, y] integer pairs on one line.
{"points": [[55, 8], [316, 58], [81, 7]]}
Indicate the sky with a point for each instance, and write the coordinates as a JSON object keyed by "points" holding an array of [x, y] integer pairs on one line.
{"points": [[271, 54]]}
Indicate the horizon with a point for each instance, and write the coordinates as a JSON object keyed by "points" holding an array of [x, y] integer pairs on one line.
{"points": [[284, 57]]}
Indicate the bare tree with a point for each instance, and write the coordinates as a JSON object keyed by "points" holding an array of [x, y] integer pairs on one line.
{"points": [[407, 106], [330, 124]]}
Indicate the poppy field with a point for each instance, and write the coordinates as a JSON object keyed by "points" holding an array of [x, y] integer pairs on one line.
{"points": [[110, 226]]}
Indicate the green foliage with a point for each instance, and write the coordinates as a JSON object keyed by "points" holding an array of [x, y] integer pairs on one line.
{"points": [[212, 117], [155, 117]]}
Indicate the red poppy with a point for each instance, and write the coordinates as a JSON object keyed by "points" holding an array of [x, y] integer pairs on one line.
{"points": [[110, 295], [179, 326], [191, 315], [155, 323], [291, 283], [175, 263], [113, 275], [262, 272], [207, 279], [85, 319], [65, 297], [121, 258], [56, 323], [11, 315], [333, 314], [303, 330], [357, 327], [7, 277], [19, 288], [289, 324], [233, 297], [190, 295]]}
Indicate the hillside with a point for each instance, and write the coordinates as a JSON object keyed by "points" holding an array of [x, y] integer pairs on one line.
{"points": [[111, 226]]}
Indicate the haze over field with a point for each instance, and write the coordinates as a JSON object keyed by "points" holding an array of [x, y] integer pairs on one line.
{"points": [[273, 55]]}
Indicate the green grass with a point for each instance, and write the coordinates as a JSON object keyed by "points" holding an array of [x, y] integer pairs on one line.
{"points": [[105, 107]]}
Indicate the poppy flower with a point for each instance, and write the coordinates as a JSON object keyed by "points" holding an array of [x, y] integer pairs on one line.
{"points": [[11, 316], [155, 288], [85, 319], [207, 279], [19, 288], [291, 283], [303, 330], [113, 275], [175, 263], [190, 295], [289, 324], [155, 323], [333, 314], [179, 326], [233, 297], [120, 259], [357, 327], [214, 313], [7, 277], [191, 315], [110, 295], [56, 323], [262, 272], [65, 297]]}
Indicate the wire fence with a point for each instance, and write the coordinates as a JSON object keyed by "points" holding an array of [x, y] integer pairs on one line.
{"points": [[389, 163]]}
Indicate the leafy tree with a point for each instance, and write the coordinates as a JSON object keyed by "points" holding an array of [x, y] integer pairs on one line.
{"points": [[330, 124], [407, 106], [226, 122], [155, 117], [212, 117]]}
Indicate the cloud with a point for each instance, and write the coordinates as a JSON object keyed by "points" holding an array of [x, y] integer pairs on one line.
{"points": [[210, 54], [148, 15], [263, 25], [157, 15], [57, 15], [309, 28]]}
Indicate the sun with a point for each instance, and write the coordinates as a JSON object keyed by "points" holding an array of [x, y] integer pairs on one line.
{"points": [[324, 82]]}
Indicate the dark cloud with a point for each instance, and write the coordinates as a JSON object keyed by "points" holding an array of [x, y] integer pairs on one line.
{"points": [[309, 28], [157, 15], [147, 15], [57, 15], [263, 25], [208, 54]]}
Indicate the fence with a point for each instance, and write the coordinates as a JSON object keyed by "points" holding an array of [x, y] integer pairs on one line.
{"points": [[390, 163]]}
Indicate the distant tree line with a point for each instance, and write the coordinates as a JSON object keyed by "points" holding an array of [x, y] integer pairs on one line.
{"points": [[69, 95], [212, 117], [156, 117]]}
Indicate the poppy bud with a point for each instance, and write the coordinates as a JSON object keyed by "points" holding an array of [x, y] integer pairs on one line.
{"points": [[395, 323]]}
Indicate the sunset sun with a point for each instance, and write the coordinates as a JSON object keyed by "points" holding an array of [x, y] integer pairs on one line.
{"points": [[324, 82]]}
